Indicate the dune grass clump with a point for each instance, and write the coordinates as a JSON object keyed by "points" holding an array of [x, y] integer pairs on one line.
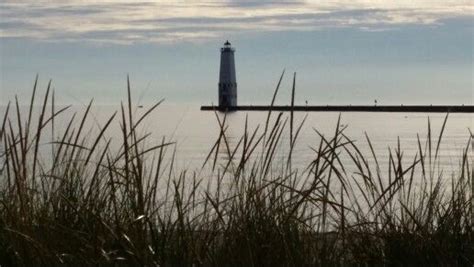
{"points": [[81, 198]]}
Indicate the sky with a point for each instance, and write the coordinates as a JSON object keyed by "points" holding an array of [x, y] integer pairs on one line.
{"points": [[343, 51]]}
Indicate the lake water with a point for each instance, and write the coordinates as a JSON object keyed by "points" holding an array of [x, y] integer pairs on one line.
{"points": [[196, 131]]}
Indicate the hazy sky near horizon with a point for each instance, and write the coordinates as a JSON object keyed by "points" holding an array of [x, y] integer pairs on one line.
{"points": [[344, 52]]}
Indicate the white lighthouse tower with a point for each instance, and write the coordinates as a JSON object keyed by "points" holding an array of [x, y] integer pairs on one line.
{"points": [[227, 79]]}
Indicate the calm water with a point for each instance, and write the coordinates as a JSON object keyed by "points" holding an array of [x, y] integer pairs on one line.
{"points": [[196, 131]]}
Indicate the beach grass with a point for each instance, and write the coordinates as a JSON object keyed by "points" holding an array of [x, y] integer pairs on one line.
{"points": [[69, 197]]}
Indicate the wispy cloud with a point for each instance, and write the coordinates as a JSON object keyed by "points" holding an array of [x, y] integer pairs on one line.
{"points": [[126, 22]]}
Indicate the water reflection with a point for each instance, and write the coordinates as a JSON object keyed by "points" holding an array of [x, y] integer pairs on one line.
{"points": [[230, 136]]}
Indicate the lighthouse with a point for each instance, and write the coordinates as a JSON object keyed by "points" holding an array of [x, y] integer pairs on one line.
{"points": [[227, 79]]}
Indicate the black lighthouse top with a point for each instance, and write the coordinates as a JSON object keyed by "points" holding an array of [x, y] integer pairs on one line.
{"points": [[227, 47]]}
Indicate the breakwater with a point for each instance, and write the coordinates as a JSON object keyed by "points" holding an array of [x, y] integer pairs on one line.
{"points": [[350, 108]]}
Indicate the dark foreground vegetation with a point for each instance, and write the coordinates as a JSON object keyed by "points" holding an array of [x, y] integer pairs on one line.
{"points": [[89, 202]]}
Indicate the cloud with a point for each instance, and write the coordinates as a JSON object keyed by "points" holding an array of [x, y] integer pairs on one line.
{"points": [[125, 22]]}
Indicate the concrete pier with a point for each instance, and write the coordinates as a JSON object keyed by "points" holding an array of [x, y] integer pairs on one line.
{"points": [[351, 108]]}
